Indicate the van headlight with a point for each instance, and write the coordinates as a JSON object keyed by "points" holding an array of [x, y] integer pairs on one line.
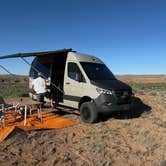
{"points": [[104, 91]]}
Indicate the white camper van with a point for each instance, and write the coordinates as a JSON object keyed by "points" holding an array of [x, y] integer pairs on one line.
{"points": [[81, 81]]}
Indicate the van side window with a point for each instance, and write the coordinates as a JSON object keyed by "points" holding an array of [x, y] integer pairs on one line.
{"points": [[75, 73]]}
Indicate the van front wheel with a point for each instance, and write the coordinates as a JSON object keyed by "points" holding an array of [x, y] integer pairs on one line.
{"points": [[88, 112]]}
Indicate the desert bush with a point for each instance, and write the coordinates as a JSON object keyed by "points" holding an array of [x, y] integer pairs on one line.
{"points": [[13, 90], [148, 86], [152, 93]]}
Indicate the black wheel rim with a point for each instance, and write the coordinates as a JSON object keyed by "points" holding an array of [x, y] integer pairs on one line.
{"points": [[86, 114]]}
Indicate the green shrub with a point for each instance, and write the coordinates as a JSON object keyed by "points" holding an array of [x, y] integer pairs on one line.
{"points": [[148, 86], [13, 90]]}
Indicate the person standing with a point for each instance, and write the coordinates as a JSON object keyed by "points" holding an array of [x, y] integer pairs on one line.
{"points": [[39, 87]]}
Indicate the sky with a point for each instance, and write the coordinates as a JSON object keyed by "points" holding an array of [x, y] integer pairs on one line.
{"points": [[128, 35]]}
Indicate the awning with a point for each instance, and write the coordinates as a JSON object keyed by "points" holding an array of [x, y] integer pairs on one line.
{"points": [[18, 55]]}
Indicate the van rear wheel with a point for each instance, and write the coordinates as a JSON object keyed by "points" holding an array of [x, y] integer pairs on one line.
{"points": [[88, 112]]}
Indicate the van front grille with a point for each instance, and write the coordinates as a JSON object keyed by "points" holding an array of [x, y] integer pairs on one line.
{"points": [[123, 97]]}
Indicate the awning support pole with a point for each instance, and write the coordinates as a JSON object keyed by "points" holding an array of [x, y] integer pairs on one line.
{"points": [[7, 70]]}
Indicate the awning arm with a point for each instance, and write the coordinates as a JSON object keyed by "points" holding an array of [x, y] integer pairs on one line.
{"points": [[6, 70]]}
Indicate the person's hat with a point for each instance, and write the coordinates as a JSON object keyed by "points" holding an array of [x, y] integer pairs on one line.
{"points": [[39, 74]]}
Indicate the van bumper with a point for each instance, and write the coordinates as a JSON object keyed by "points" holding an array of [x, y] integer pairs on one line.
{"points": [[113, 108], [109, 103]]}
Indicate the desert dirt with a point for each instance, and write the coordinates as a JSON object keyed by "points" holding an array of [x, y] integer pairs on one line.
{"points": [[135, 138]]}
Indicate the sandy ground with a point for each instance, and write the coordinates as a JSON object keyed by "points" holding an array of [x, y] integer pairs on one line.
{"points": [[136, 138]]}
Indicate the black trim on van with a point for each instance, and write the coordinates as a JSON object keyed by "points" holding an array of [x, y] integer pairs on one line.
{"points": [[110, 103], [72, 98]]}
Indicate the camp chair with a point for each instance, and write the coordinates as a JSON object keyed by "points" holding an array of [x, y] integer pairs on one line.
{"points": [[7, 108]]}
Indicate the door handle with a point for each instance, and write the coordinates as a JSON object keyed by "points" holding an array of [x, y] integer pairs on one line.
{"points": [[67, 83]]}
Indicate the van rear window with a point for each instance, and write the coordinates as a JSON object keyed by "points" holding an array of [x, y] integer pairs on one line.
{"points": [[38, 66]]}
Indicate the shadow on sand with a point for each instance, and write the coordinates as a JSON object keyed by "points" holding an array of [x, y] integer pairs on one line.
{"points": [[137, 109], [61, 111]]}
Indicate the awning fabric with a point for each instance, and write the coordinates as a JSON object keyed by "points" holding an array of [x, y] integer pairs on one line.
{"points": [[18, 55]]}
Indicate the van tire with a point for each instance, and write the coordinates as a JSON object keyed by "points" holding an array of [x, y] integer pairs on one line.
{"points": [[88, 112]]}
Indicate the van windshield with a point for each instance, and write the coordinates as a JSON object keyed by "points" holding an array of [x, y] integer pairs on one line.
{"points": [[97, 71]]}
